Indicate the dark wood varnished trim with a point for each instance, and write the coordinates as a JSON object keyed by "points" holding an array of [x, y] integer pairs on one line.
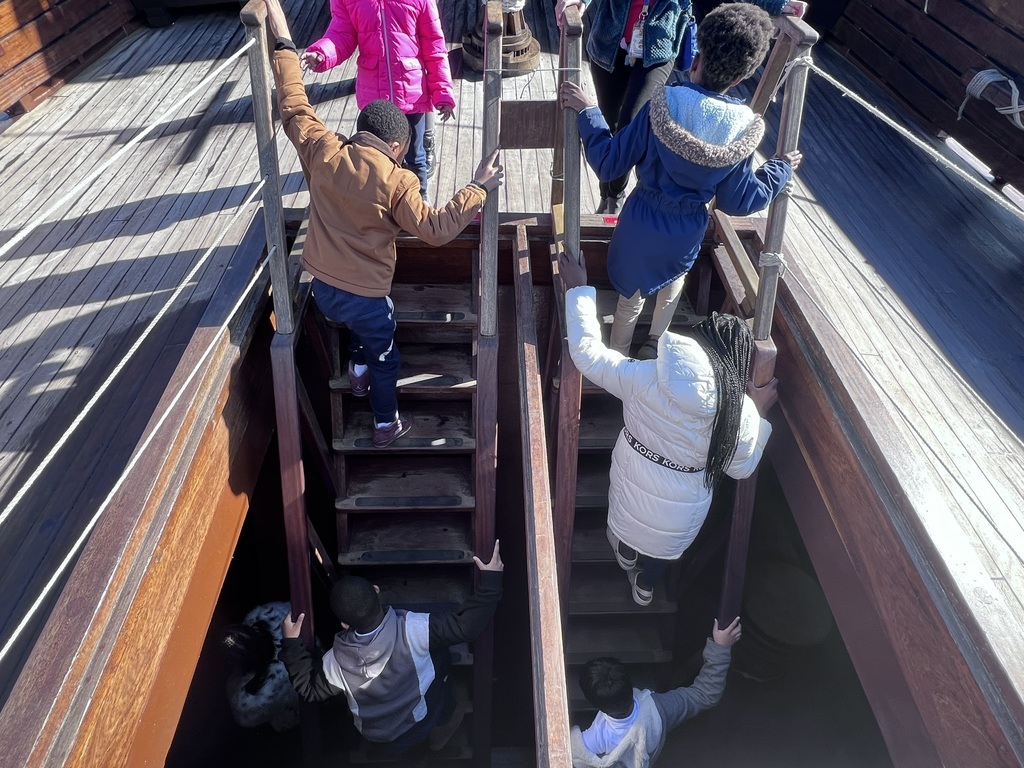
{"points": [[969, 711], [551, 712], [136, 606]]}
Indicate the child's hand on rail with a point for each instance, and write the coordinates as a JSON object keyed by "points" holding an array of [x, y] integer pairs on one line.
{"points": [[489, 174], [574, 274], [794, 158], [572, 96]]}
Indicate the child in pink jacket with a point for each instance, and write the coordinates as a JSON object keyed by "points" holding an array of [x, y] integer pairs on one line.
{"points": [[402, 58]]}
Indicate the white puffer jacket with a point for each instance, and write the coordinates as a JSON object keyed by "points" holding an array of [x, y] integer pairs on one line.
{"points": [[669, 405]]}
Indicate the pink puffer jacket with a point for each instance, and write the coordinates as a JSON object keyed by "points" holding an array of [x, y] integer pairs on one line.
{"points": [[402, 53]]}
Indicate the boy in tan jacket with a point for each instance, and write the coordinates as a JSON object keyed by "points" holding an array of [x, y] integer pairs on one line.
{"points": [[360, 199]]}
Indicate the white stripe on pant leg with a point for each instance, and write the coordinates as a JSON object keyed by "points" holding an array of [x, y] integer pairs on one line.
{"points": [[391, 317]]}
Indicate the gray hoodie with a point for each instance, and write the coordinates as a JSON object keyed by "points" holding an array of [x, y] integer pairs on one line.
{"points": [[385, 674]]}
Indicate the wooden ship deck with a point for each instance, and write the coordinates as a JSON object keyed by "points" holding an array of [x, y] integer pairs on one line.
{"points": [[913, 275]]}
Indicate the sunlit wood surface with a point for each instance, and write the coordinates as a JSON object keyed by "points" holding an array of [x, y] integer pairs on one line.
{"points": [[920, 275]]}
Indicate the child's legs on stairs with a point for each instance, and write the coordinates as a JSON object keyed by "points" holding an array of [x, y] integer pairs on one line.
{"points": [[626, 313], [371, 321], [665, 306], [416, 157]]}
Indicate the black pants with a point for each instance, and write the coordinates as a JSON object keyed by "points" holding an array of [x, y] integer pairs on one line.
{"points": [[620, 95], [651, 569]]}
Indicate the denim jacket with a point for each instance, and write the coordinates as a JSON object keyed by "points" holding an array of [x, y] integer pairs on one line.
{"points": [[663, 30]]}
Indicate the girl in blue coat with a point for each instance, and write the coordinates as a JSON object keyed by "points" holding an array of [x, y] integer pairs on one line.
{"points": [[690, 143]]}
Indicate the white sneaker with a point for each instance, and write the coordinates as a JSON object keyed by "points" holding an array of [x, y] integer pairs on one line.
{"points": [[641, 596], [624, 563]]}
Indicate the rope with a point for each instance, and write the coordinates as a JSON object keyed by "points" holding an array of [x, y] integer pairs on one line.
{"points": [[168, 410], [532, 74], [769, 259], [924, 147], [73, 193], [801, 61], [983, 80], [37, 473]]}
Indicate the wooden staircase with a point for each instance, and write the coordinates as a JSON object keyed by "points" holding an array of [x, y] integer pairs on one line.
{"points": [[410, 517], [602, 618]]}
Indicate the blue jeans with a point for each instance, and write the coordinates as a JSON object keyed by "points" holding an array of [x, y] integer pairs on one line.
{"points": [[416, 157], [371, 323]]}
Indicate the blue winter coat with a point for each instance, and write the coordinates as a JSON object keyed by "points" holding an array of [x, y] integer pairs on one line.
{"points": [[688, 144], [663, 30]]}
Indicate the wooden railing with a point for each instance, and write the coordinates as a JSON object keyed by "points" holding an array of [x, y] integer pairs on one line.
{"points": [[563, 405], [755, 291], [282, 349], [550, 703], [485, 405], [794, 42]]}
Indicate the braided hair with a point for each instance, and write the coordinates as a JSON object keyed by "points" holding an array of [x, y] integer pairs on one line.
{"points": [[728, 343]]}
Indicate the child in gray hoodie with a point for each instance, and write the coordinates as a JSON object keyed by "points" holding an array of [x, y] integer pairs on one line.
{"points": [[392, 664], [631, 725]]}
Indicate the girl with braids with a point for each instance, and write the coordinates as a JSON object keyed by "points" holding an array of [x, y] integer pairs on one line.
{"points": [[687, 420]]}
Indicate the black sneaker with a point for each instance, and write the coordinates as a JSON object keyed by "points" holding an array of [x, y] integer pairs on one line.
{"points": [[385, 436], [428, 148], [648, 350], [360, 384]]}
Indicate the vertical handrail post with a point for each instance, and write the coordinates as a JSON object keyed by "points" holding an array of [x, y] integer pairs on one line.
{"points": [[254, 16], [571, 61], [282, 348], [770, 266], [493, 25], [795, 43]]}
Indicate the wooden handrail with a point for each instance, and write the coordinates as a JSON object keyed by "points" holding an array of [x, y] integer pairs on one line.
{"points": [[493, 26], [282, 348], [565, 233], [254, 16], [550, 701], [796, 38], [570, 56]]}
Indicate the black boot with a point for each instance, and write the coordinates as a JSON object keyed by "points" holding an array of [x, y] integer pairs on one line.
{"points": [[428, 148]]}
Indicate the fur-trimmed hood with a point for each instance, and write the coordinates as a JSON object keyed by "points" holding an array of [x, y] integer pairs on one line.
{"points": [[710, 131]]}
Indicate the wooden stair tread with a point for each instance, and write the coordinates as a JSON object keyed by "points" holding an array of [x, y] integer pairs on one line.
{"points": [[411, 483], [438, 427], [633, 641], [600, 423], [431, 369], [423, 589], [417, 304], [603, 589], [592, 481], [408, 538], [589, 541]]}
